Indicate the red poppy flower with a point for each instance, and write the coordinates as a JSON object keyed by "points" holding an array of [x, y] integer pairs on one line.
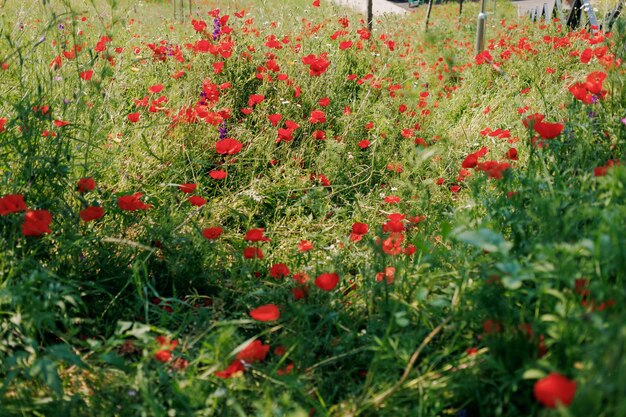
{"points": [[548, 130], [594, 82], [163, 356], [511, 154], [188, 188], [197, 201], [555, 389], [134, 117], [286, 370], [392, 199], [252, 252], [178, 74], [393, 244], [345, 45], [492, 326], [256, 235], [364, 144], [275, 118], [327, 281], [236, 367], [279, 271], [165, 342], [212, 232], [60, 123], [305, 246], [360, 228], [228, 146], [157, 88], [36, 223], [268, 312], [91, 213], [494, 169], [324, 101], [317, 64], [319, 135], [300, 277], [255, 99], [12, 203], [255, 351], [393, 226], [470, 161], [530, 120], [132, 202], [198, 25], [85, 184], [218, 174], [388, 275], [580, 92], [410, 249], [86, 75], [317, 116], [299, 292]]}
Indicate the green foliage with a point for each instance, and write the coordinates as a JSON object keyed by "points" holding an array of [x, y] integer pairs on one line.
{"points": [[469, 283]]}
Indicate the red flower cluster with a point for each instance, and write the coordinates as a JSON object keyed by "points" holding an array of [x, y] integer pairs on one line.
{"points": [[358, 231], [132, 202], [545, 129], [255, 351], [36, 223], [591, 90], [167, 346], [279, 271], [317, 64], [604, 169], [12, 203]]}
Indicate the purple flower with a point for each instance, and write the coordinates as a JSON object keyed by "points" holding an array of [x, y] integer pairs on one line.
{"points": [[624, 120], [223, 131], [217, 29]]}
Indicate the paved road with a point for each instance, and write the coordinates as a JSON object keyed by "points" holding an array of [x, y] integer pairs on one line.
{"points": [[379, 7], [402, 6]]}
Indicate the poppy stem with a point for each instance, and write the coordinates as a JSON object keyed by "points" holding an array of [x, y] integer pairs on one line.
{"points": [[378, 400]]}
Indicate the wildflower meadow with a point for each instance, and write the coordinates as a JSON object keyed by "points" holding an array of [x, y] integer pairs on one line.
{"points": [[264, 208]]}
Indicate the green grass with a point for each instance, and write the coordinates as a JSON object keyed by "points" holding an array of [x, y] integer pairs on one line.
{"points": [[455, 309]]}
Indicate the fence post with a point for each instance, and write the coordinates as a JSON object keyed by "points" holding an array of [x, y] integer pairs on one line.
{"points": [[430, 7], [370, 15], [480, 29]]}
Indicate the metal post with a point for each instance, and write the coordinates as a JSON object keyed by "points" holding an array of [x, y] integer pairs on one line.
{"points": [[430, 7], [460, 7], [480, 29], [370, 15]]}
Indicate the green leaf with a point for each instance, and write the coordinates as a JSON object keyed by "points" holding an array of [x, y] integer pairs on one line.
{"points": [[401, 319], [533, 374], [46, 370], [485, 239]]}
